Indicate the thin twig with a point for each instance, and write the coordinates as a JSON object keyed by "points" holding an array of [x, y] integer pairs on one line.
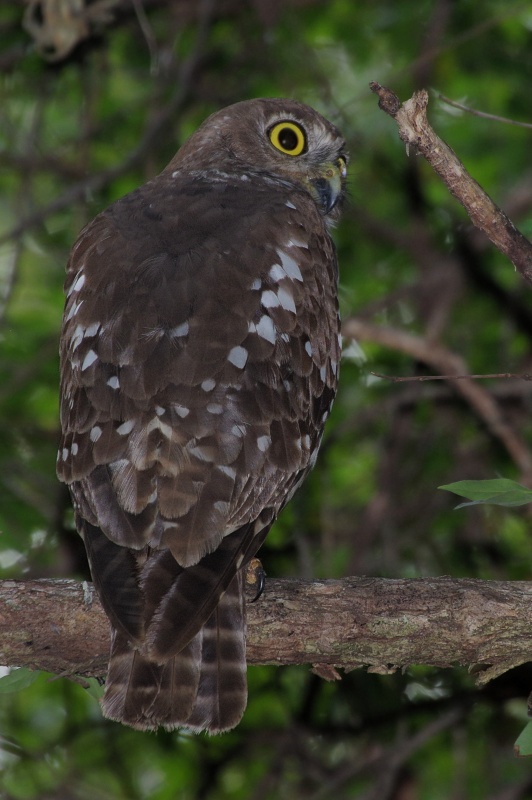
{"points": [[446, 362], [421, 378], [483, 114]]}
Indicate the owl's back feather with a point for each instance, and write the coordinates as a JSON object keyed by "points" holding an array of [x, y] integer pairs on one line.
{"points": [[199, 361]]}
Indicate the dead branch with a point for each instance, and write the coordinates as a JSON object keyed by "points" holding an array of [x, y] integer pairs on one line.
{"points": [[415, 131], [59, 626]]}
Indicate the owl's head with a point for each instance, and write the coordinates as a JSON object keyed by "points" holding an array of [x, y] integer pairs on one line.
{"points": [[281, 138]]}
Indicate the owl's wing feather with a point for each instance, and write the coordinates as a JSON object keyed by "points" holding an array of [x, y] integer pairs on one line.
{"points": [[199, 362]]}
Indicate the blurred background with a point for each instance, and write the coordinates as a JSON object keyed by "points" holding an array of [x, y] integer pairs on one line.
{"points": [[95, 98]]}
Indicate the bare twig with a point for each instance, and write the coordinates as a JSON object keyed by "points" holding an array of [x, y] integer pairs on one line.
{"points": [[416, 132], [421, 378], [439, 358], [483, 114]]}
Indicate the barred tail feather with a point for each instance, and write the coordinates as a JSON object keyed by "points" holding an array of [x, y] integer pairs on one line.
{"points": [[203, 687]]}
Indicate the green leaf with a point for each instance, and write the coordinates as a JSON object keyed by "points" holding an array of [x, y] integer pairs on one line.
{"points": [[18, 679], [498, 492], [523, 743]]}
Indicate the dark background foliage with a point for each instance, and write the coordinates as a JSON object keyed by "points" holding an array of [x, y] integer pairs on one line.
{"points": [[78, 128]]}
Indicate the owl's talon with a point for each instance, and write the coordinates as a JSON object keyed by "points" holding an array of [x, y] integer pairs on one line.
{"points": [[255, 578]]}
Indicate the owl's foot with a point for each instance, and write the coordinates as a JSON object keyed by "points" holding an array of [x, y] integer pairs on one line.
{"points": [[255, 579]]}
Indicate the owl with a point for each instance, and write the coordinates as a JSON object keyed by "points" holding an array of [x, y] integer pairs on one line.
{"points": [[199, 360]]}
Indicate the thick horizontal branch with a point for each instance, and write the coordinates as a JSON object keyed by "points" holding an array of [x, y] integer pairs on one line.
{"points": [[415, 131], [59, 626]]}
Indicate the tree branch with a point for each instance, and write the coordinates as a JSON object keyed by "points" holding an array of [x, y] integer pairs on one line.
{"points": [[415, 131], [59, 626], [484, 405]]}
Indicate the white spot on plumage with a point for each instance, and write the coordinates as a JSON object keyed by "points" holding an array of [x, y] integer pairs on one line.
{"points": [[256, 284], [77, 337], [159, 410], [306, 440], [269, 299], [308, 348], [74, 310], [113, 382], [208, 385], [293, 242], [285, 337], [215, 408], [266, 329], [78, 283], [126, 427], [89, 359], [323, 373], [238, 356], [181, 411], [156, 424], [229, 471], [74, 449], [95, 433], [288, 204], [66, 453], [290, 266], [180, 330], [238, 430], [263, 442], [92, 330], [277, 273], [286, 300]]}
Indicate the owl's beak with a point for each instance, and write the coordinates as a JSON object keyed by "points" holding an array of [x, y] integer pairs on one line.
{"points": [[328, 185]]}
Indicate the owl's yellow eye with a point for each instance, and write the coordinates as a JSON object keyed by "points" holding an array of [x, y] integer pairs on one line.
{"points": [[289, 138]]}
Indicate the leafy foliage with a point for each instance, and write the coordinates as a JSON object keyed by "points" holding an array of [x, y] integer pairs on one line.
{"points": [[82, 131]]}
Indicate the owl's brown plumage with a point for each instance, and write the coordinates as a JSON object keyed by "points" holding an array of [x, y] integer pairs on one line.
{"points": [[199, 360]]}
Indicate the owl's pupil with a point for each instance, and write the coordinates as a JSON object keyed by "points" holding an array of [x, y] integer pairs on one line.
{"points": [[288, 139]]}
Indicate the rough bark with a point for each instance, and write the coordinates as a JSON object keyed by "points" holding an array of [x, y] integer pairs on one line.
{"points": [[59, 626], [416, 133]]}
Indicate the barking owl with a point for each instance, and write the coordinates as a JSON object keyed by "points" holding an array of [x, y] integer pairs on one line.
{"points": [[199, 360]]}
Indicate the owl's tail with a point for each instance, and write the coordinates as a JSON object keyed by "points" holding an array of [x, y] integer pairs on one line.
{"points": [[203, 687]]}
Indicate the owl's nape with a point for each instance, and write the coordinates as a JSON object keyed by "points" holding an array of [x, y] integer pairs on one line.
{"points": [[199, 361]]}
